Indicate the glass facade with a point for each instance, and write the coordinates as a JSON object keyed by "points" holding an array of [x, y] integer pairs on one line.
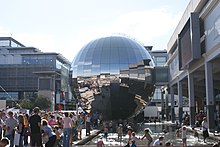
{"points": [[9, 42], [160, 61], [9, 96], [25, 71], [4, 43], [99, 69], [38, 59], [161, 73]]}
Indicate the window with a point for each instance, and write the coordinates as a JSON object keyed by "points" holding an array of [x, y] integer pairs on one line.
{"points": [[4, 43], [157, 93], [160, 61]]}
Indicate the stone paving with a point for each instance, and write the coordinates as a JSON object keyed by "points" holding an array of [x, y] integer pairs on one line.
{"points": [[95, 133]]}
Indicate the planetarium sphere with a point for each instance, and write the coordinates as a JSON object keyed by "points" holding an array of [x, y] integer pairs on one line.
{"points": [[108, 55], [109, 67]]}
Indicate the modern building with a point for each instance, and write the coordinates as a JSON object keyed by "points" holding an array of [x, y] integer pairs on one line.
{"points": [[193, 61], [113, 76], [26, 72], [156, 107]]}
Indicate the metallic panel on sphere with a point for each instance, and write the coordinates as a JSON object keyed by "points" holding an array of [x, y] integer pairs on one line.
{"points": [[113, 76]]}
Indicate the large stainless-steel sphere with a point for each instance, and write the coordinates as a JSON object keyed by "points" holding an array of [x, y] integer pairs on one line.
{"points": [[113, 76]]}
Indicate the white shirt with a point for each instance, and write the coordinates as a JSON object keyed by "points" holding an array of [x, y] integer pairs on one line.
{"points": [[204, 125], [184, 133], [156, 142]]}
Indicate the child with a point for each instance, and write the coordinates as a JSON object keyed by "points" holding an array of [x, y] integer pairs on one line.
{"points": [[184, 132], [120, 132], [196, 134], [133, 139], [177, 132], [106, 132], [129, 132], [159, 141], [148, 136], [100, 143]]}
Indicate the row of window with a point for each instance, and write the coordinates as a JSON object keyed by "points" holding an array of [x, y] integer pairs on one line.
{"points": [[37, 60], [8, 43], [9, 96]]}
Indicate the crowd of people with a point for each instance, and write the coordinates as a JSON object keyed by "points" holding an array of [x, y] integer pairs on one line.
{"points": [[40, 128], [52, 129], [127, 132], [182, 133]]}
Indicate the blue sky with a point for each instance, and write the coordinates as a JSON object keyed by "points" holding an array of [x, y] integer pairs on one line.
{"points": [[65, 26]]}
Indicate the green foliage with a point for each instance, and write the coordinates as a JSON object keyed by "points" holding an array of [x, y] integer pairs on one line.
{"points": [[26, 104], [42, 102]]}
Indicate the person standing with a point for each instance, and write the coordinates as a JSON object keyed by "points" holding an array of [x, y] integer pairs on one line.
{"points": [[1, 126], [35, 127], [67, 129], [3, 117], [129, 132], [184, 132], [120, 132], [20, 129], [79, 126], [88, 123], [11, 123], [26, 129], [205, 132]]}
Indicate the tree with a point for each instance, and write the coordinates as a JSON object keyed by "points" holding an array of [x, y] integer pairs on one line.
{"points": [[42, 102], [26, 104]]}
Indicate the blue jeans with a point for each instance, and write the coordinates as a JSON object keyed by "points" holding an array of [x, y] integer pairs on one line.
{"points": [[11, 138], [66, 137]]}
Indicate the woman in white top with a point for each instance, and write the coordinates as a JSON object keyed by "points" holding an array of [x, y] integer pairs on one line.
{"points": [[205, 132]]}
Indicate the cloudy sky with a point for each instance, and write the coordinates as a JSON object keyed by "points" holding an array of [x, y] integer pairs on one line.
{"points": [[65, 26]]}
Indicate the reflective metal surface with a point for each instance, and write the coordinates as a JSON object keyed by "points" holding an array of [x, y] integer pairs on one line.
{"points": [[113, 76]]}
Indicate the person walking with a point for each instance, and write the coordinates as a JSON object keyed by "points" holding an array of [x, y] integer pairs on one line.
{"points": [[205, 132], [35, 127]]}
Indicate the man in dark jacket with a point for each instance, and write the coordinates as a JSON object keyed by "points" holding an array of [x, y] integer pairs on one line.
{"points": [[35, 126]]}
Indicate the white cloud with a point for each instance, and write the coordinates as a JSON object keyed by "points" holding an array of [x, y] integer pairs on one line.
{"points": [[145, 26]]}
